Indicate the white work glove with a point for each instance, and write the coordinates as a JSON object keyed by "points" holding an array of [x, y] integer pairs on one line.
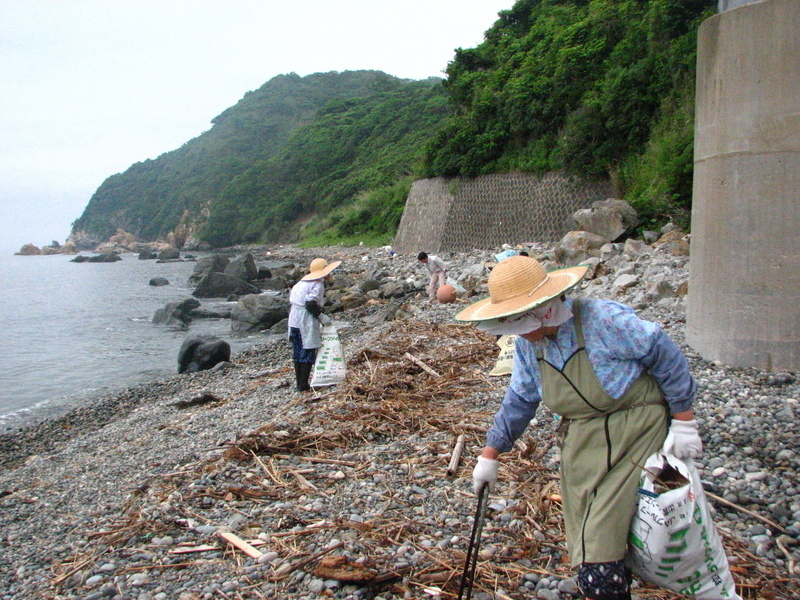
{"points": [[687, 440], [324, 319], [485, 471]]}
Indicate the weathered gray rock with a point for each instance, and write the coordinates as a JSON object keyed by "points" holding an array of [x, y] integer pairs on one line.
{"points": [[221, 285], [577, 246], [258, 312], [209, 264], [392, 289], [176, 313], [202, 352], [635, 249], [353, 300], [369, 285], [610, 218], [274, 284], [159, 281], [29, 250], [169, 254], [206, 313], [243, 267], [674, 241], [281, 326], [108, 257]]}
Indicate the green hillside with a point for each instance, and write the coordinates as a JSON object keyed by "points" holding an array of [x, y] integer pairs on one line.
{"points": [[346, 169], [602, 88], [150, 198]]}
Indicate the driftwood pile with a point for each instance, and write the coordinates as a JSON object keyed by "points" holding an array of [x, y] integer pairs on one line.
{"points": [[418, 380]]}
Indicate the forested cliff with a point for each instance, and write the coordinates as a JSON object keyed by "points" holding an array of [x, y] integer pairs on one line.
{"points": [[601, 88]]}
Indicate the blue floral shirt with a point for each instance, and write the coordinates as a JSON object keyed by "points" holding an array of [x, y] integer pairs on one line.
{"points": [[620, 347]]}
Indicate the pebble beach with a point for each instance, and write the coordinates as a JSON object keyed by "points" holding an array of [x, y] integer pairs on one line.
{"points": [[229, 484]]}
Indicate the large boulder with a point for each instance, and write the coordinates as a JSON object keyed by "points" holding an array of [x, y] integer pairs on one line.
{"points": [[209, 264], [29, 250], [675, 242], [274, 284], [176, 314], [610, 218], [202, 352], [577, 246], [243, 267], [169, 254], [100, 258], [258, 312], [220, 285]]}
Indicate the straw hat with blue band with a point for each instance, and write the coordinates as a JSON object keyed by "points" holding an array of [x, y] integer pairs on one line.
{"points": [[320, 268], [519, 284]]}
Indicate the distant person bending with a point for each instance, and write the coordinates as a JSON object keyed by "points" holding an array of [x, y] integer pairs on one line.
{"points": [[306, 319], [438, 273]]}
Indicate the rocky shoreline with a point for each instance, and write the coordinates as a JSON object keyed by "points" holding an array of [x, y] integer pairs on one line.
{"points": [[344, 493]]}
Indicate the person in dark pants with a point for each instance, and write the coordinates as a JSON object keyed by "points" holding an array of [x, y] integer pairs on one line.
{"points": [[306, 319], [619, 384]]}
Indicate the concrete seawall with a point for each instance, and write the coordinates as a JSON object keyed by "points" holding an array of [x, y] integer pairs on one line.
{"points": [[458, 214]]}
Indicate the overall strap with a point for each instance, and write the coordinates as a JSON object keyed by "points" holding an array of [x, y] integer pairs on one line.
{"points": [[576, 315]]}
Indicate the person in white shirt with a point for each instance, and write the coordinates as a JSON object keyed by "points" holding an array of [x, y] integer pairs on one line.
{"points": [[306, 319], [438, 271]]}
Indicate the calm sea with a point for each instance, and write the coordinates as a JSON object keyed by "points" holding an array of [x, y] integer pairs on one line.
{"points": [[76, 331]]}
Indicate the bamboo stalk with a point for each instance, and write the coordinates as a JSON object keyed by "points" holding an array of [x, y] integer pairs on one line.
{"points": [[421, 364], [456, 458]]}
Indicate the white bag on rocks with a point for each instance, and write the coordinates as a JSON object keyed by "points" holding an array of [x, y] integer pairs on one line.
{"points": [[673, 542], [329, 367]]}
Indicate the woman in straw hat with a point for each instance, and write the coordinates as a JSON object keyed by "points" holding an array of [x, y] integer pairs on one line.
{"points": [[306, 319], [618, 382]]}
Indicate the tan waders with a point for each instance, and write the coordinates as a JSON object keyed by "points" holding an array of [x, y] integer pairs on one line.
{"points": [[604, 445]]}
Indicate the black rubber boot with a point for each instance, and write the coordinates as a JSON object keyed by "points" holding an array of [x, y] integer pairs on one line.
{"points": [[302, 384], [302, 373]]}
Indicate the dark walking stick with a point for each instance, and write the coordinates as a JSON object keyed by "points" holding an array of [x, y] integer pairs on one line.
{"points": [[468, 577]]}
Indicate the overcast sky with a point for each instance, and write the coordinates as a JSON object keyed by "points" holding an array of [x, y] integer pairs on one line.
{"points": [[89, 87]]}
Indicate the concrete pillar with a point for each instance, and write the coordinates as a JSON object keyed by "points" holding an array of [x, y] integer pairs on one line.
{"points": [[744, 273]]}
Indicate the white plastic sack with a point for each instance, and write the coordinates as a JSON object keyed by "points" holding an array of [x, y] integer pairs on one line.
{"points": [[505, 254], [460, 291], [673, 542], [505, 360], [329, 367]]}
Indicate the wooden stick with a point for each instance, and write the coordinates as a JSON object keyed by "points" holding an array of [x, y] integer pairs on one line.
{"points": [[421, 364], [744, 510], [789, 557], [312, 459], [190, 549], [456, 458], [303, 481], [235, 540]]}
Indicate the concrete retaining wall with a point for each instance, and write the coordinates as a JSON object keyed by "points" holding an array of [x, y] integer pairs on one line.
{"points": [[461, 214], [744, 274]]}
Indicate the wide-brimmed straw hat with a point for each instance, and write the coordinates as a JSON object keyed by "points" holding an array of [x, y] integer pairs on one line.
{"points": [[519, 284], [320, 268]]}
